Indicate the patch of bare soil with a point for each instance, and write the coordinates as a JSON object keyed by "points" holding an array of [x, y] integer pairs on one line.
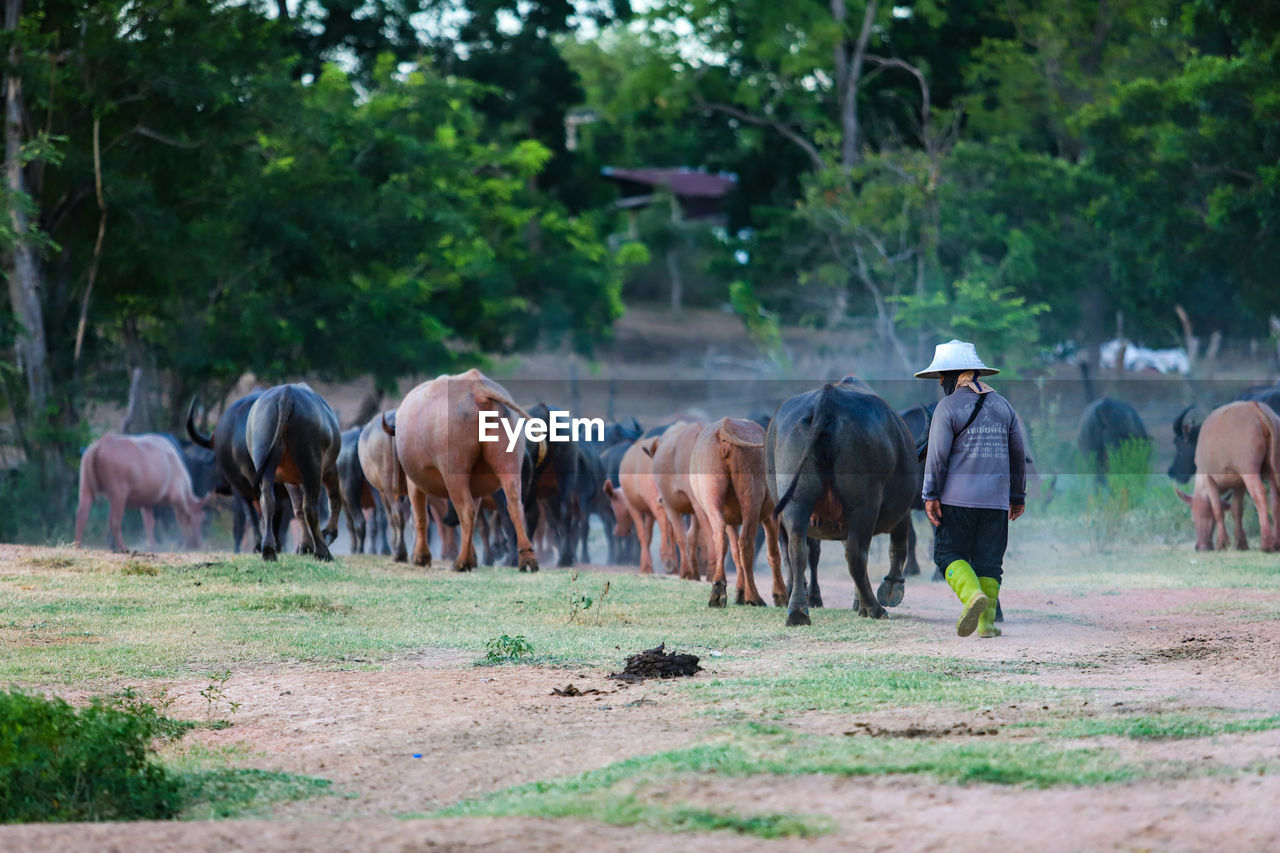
{"points": [[480, 729]]}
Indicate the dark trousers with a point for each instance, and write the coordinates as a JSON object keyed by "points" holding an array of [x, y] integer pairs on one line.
{"points": [[978, 536]]}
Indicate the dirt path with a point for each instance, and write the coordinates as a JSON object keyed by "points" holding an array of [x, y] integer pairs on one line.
{"points": [[486, 728]]}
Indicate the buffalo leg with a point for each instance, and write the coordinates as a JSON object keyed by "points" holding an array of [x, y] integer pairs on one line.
{"points": [[796, 527], [523, 546], [115, 522], [715, 532], [270, 516], [82, 511], [770, 525], [855, 554], [333, 486], [743, 541], [643, 524], [149, 525], [1237, 514], [1258, 491], [306, 540], [421, 548], [912, 566], [815, 553], [892, 587], [395, 520]]}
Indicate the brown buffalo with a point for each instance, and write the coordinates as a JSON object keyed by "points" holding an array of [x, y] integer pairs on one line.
{"points": [[642, 502], [727, 475], [143, 471], [671, 471], [438, 441], [1238, 451], [381, 466]]}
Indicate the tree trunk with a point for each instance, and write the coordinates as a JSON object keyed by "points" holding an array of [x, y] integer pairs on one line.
{"points": [[849, 60], [25, 289]]}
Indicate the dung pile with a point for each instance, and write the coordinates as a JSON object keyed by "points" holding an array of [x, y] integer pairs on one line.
{"points": [[657, 663]]}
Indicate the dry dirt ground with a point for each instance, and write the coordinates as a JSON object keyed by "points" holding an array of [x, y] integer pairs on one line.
{"points": [[482, 729]]}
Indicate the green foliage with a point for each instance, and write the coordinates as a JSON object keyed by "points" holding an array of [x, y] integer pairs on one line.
{"points": [[507, 648], [997, 316], [762, 326], [58, 763]]}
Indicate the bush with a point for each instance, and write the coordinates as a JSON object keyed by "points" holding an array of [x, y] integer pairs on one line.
{"points": [[58, 763]]}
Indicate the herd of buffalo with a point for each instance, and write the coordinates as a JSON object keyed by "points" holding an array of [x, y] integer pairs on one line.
{"points": [[836, 463]]}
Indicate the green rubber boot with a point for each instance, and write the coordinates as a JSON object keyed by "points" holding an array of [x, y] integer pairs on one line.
{"points": [[966, 587], [987, 621]]}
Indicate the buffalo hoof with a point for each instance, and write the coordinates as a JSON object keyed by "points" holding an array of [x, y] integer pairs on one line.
{"points": [[740, 597], [937, 575], [423, 560], [890, 592], [269, 555], [797, 617], [779, 599], [815, 599], [400, 558], [911, 569], [753, 602], [325, 556], [530, 565], [718, 596], [875, 611], [331, 535]]}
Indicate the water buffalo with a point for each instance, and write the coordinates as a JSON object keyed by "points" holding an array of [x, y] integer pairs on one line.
{"points": [[1186, 435], [142, 471], [376, 450], [1239, 451], [620, 540], [1105, 425], [438, 442], [591, 499], [293, 438], [559, 481], [235, 467], [671, 470], [841, 465], [642, 502], [1269, 394], [359, 497], [727, 478]]}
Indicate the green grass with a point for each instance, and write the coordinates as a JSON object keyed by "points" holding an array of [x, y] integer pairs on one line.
{"points": [[1165, 726], [188, 620], [852, 683], [212, 786], [639, 791]]}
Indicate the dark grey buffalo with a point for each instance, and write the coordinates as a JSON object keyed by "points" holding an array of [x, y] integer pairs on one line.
{"points": [[293, 438], [1105, 425], [841, 465], [1186, 434], [1269, 394], [234, 465], [357, 497]]}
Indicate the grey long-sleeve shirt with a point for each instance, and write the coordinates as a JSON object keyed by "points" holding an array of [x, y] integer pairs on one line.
{"points": [[986, 466]]}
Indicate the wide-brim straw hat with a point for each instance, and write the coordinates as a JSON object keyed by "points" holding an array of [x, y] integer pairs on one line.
{"points": [[955, 356]]}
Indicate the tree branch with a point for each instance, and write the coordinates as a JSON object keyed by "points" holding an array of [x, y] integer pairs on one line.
{"points": [[143, 130], [760, 121]]}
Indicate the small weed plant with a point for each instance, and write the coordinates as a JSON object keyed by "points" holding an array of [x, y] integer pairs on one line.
{"points": [[215, 695], [505, 648], [580, 603]]}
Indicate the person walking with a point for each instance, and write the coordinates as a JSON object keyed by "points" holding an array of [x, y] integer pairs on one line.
{"points": [[974, 482]]}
